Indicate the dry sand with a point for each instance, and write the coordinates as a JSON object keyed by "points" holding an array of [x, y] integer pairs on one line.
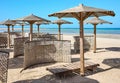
{"points": [[108, 56]]}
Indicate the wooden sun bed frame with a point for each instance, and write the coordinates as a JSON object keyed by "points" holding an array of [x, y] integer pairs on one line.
{"points": [[62, 70]]}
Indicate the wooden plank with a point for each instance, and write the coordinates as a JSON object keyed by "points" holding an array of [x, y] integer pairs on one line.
{"points": [[70, 67]]}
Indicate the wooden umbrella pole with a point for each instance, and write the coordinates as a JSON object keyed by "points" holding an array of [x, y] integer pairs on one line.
{"points": [[12, 28], [38, 28], [82, 69], [59, 32], [22, 30], [94, 38], [31, 31], [8, 45]]}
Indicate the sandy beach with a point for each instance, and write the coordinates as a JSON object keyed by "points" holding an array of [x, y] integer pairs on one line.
{"points": [[107, 55], [65, 41]]}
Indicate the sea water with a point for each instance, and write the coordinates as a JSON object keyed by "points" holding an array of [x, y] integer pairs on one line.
{"points": [[77, 30], [69, 30]]}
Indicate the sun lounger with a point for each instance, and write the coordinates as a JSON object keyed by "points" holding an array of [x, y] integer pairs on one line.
{"points": [[71, 67]]}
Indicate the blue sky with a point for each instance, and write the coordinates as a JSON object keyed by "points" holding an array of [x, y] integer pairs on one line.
{"points": [[12, 9]]}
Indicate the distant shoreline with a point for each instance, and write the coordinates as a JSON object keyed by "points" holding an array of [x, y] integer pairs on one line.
{"points": [[111, 36]]}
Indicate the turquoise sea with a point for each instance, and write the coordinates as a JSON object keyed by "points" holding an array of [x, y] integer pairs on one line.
{"points": [[70, 30], [86, 30], [76, 30]]}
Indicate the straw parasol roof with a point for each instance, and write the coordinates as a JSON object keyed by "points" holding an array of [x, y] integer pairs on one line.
{"points": [[22, 23], [8, 23], [59, 22], [82, 12], [31, 19], [39, 23], [95, 21], [85, 9]]}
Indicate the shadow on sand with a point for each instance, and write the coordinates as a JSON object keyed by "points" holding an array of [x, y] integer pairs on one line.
{"points": [[53, 79], [78, 52], [113, 62], [116, 49], [16, 62], [77, 59], [113, 49]]}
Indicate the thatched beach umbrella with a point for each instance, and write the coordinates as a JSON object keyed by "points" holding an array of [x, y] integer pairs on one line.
{"points": [[40, 23], [8, 23], [13, 27], [31, 19], [82, 12], [59, 22], [22, 24], [95, 21]]}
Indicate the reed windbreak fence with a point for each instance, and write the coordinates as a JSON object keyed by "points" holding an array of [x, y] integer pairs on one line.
{"points": [[4, 57]]}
